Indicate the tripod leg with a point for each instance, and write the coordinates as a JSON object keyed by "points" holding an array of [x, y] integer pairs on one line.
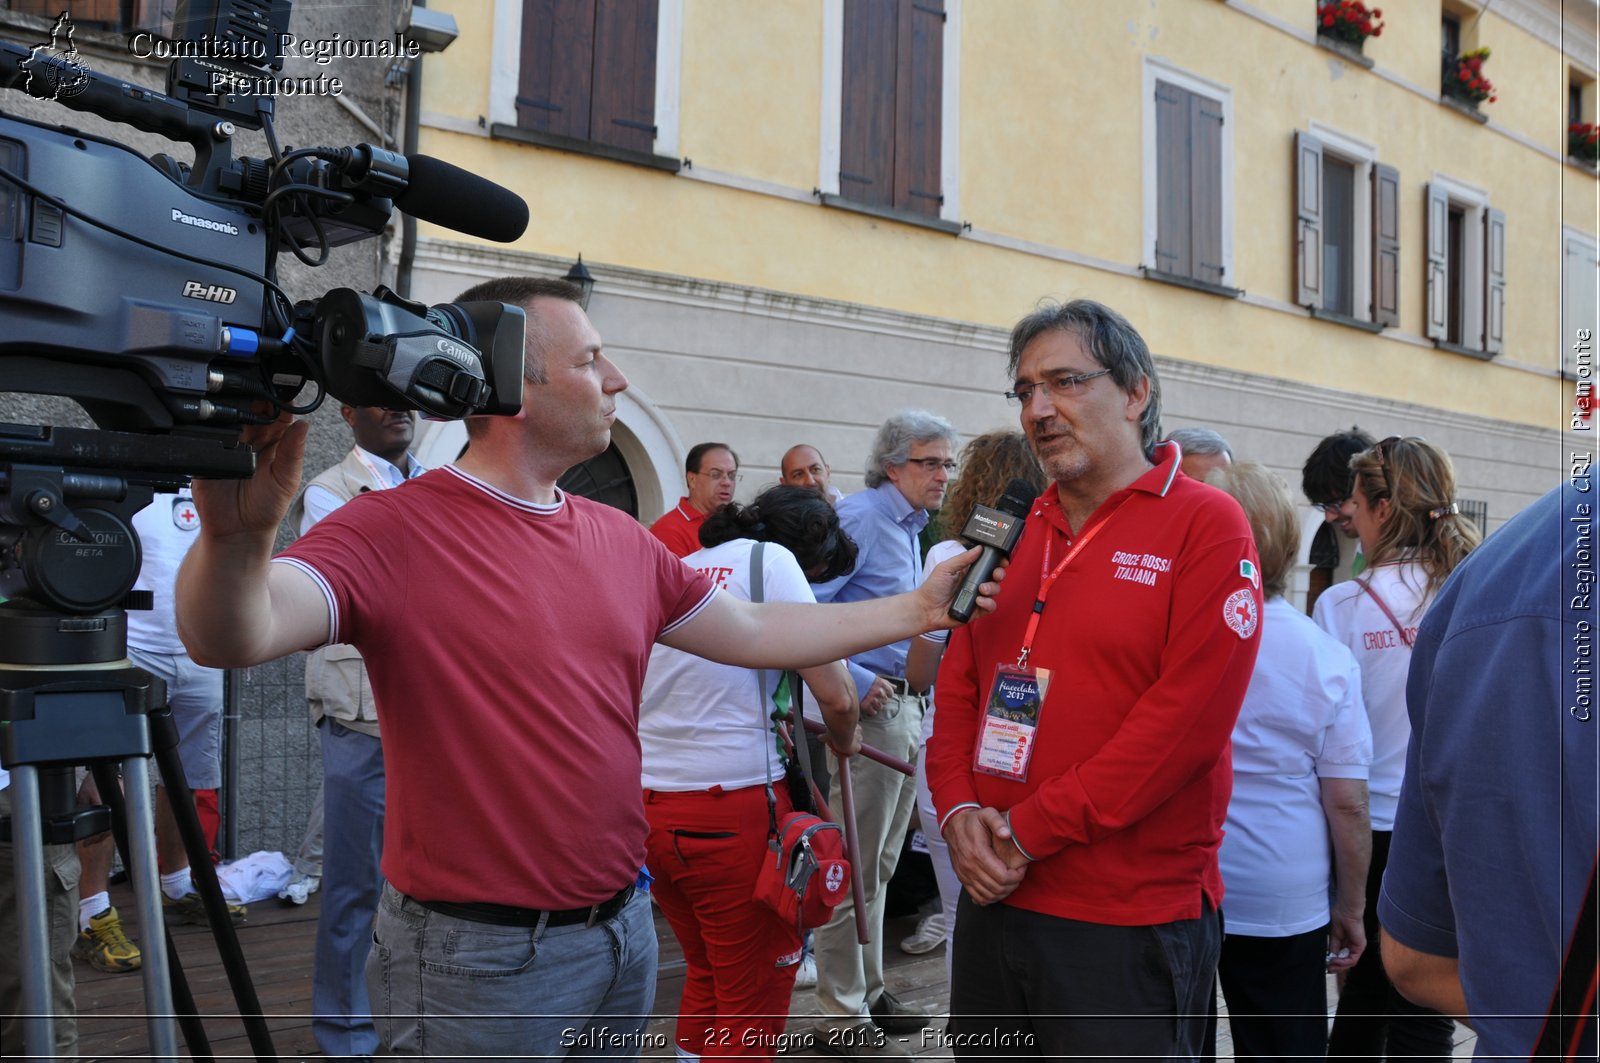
{"points": [[146, 879], [194, 1032], [164, 738], [27, 840]]}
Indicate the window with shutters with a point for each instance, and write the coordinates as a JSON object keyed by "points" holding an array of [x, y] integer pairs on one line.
{"points": [[891, 108], [116, 15], [1188, 181], [1465, 289], [587, 77], [1347, 230]]}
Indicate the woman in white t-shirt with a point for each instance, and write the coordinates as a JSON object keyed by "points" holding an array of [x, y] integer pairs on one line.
{"points": [[1413, 535], [988, 463], [709, 749], [1297, 820]]}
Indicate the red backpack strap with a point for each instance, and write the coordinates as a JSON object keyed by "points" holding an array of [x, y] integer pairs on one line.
{"points": [[1399, 630]]}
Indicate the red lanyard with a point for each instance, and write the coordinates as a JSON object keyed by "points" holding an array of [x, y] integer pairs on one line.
{"points": [[1047, 582]]}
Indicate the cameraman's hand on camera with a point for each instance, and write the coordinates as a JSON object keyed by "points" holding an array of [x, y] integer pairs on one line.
{"points": [[235, 609], [255, 507], [939, 589]]}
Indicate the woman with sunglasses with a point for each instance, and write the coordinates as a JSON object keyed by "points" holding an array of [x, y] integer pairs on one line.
{"points": [[709, 750], [1413, 535]]}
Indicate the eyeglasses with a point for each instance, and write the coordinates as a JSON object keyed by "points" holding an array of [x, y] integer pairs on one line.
{"points": [[1063, 385], [933, 464], [1332, 509], [717, 476]]}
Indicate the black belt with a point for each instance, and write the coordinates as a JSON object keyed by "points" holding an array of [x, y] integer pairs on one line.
{"points": [[901, 686], [506, 915]]}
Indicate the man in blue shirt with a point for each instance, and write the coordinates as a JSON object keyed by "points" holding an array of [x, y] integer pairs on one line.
{"points": [[1495, 837], [907, 472]]}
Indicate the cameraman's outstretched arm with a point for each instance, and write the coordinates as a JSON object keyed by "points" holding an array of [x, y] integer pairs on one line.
{"points": [[236, 609], [795, 635]]}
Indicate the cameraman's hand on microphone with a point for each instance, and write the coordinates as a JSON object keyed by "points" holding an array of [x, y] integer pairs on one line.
{"points": [[939, 589], [253, 507]]}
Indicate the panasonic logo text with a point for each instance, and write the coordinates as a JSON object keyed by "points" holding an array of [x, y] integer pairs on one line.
{"points": [[204, 223]]}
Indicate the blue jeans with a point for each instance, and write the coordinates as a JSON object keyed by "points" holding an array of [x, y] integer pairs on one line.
{"points": [[449, 988], [352, 789]]}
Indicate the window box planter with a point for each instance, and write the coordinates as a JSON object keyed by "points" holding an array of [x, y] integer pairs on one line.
{"points": [[1346, 50]]}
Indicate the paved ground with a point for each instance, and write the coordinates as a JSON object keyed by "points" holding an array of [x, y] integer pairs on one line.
{"points": [[277, 942]]}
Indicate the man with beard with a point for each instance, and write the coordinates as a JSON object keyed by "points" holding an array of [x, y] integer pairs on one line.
{"points": [[1079, 759]]}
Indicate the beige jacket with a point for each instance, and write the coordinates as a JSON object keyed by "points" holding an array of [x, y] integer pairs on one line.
{"points": [[336, 677]]}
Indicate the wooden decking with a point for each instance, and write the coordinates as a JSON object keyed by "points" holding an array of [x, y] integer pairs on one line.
{"points": [[277, 943]]}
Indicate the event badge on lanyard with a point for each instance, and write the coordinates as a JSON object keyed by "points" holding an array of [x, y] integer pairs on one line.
{"points": [[1011, 712]]}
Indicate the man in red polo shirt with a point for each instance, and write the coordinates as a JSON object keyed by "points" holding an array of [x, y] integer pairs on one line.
{"points": [[711, 472], [1079, 760]]}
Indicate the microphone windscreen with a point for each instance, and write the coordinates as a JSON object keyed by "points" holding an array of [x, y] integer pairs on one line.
{"points": [[450, 196], [1017, 498]]}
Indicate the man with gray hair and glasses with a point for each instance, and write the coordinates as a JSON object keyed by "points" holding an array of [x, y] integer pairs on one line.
{"points": [[1203, 450], [1080, 760], [907, 472]]}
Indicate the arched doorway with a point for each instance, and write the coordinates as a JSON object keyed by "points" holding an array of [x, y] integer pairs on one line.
{"points": [[604, 478]]}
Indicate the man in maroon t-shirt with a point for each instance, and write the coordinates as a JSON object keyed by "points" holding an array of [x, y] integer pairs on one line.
{"points": [[505, 630], [1083, 788], [711, 471]]}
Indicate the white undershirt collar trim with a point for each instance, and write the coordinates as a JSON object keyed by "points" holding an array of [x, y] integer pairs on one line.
{"points": [[543, 509]]}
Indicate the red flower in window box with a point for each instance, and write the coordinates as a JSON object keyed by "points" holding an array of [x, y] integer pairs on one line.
{"points": [[1348, 21], [1464, 80], [1583, 141]]}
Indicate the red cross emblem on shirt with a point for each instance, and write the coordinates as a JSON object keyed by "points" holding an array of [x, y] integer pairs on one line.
{"points": [[184, 515]]}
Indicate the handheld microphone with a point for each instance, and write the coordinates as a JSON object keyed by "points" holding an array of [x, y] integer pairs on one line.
{"points": [[997, 530]]}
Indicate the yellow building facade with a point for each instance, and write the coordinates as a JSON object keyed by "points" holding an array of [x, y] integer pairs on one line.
{"points": [[1308, 235]]}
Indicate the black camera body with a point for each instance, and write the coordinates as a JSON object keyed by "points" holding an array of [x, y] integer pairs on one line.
{"points": [[145, 290]]}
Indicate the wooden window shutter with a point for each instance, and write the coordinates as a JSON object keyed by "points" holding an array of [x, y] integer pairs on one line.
{"points": [[1173, 221], [1385, 245], [919, 89], [624, 98], [1438, 286], [1494, 294], [1205, 203], [553, 87], [1308, 219], [867, 124]]}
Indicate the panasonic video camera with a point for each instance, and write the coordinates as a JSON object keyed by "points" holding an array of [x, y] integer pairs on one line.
{"points": [[144, 289]]}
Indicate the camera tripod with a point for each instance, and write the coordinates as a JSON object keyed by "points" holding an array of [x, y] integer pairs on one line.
{"points": [[69, 696]]}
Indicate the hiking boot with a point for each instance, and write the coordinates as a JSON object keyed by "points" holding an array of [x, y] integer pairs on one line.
{"points": [[106, 946], [191, 909]]}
